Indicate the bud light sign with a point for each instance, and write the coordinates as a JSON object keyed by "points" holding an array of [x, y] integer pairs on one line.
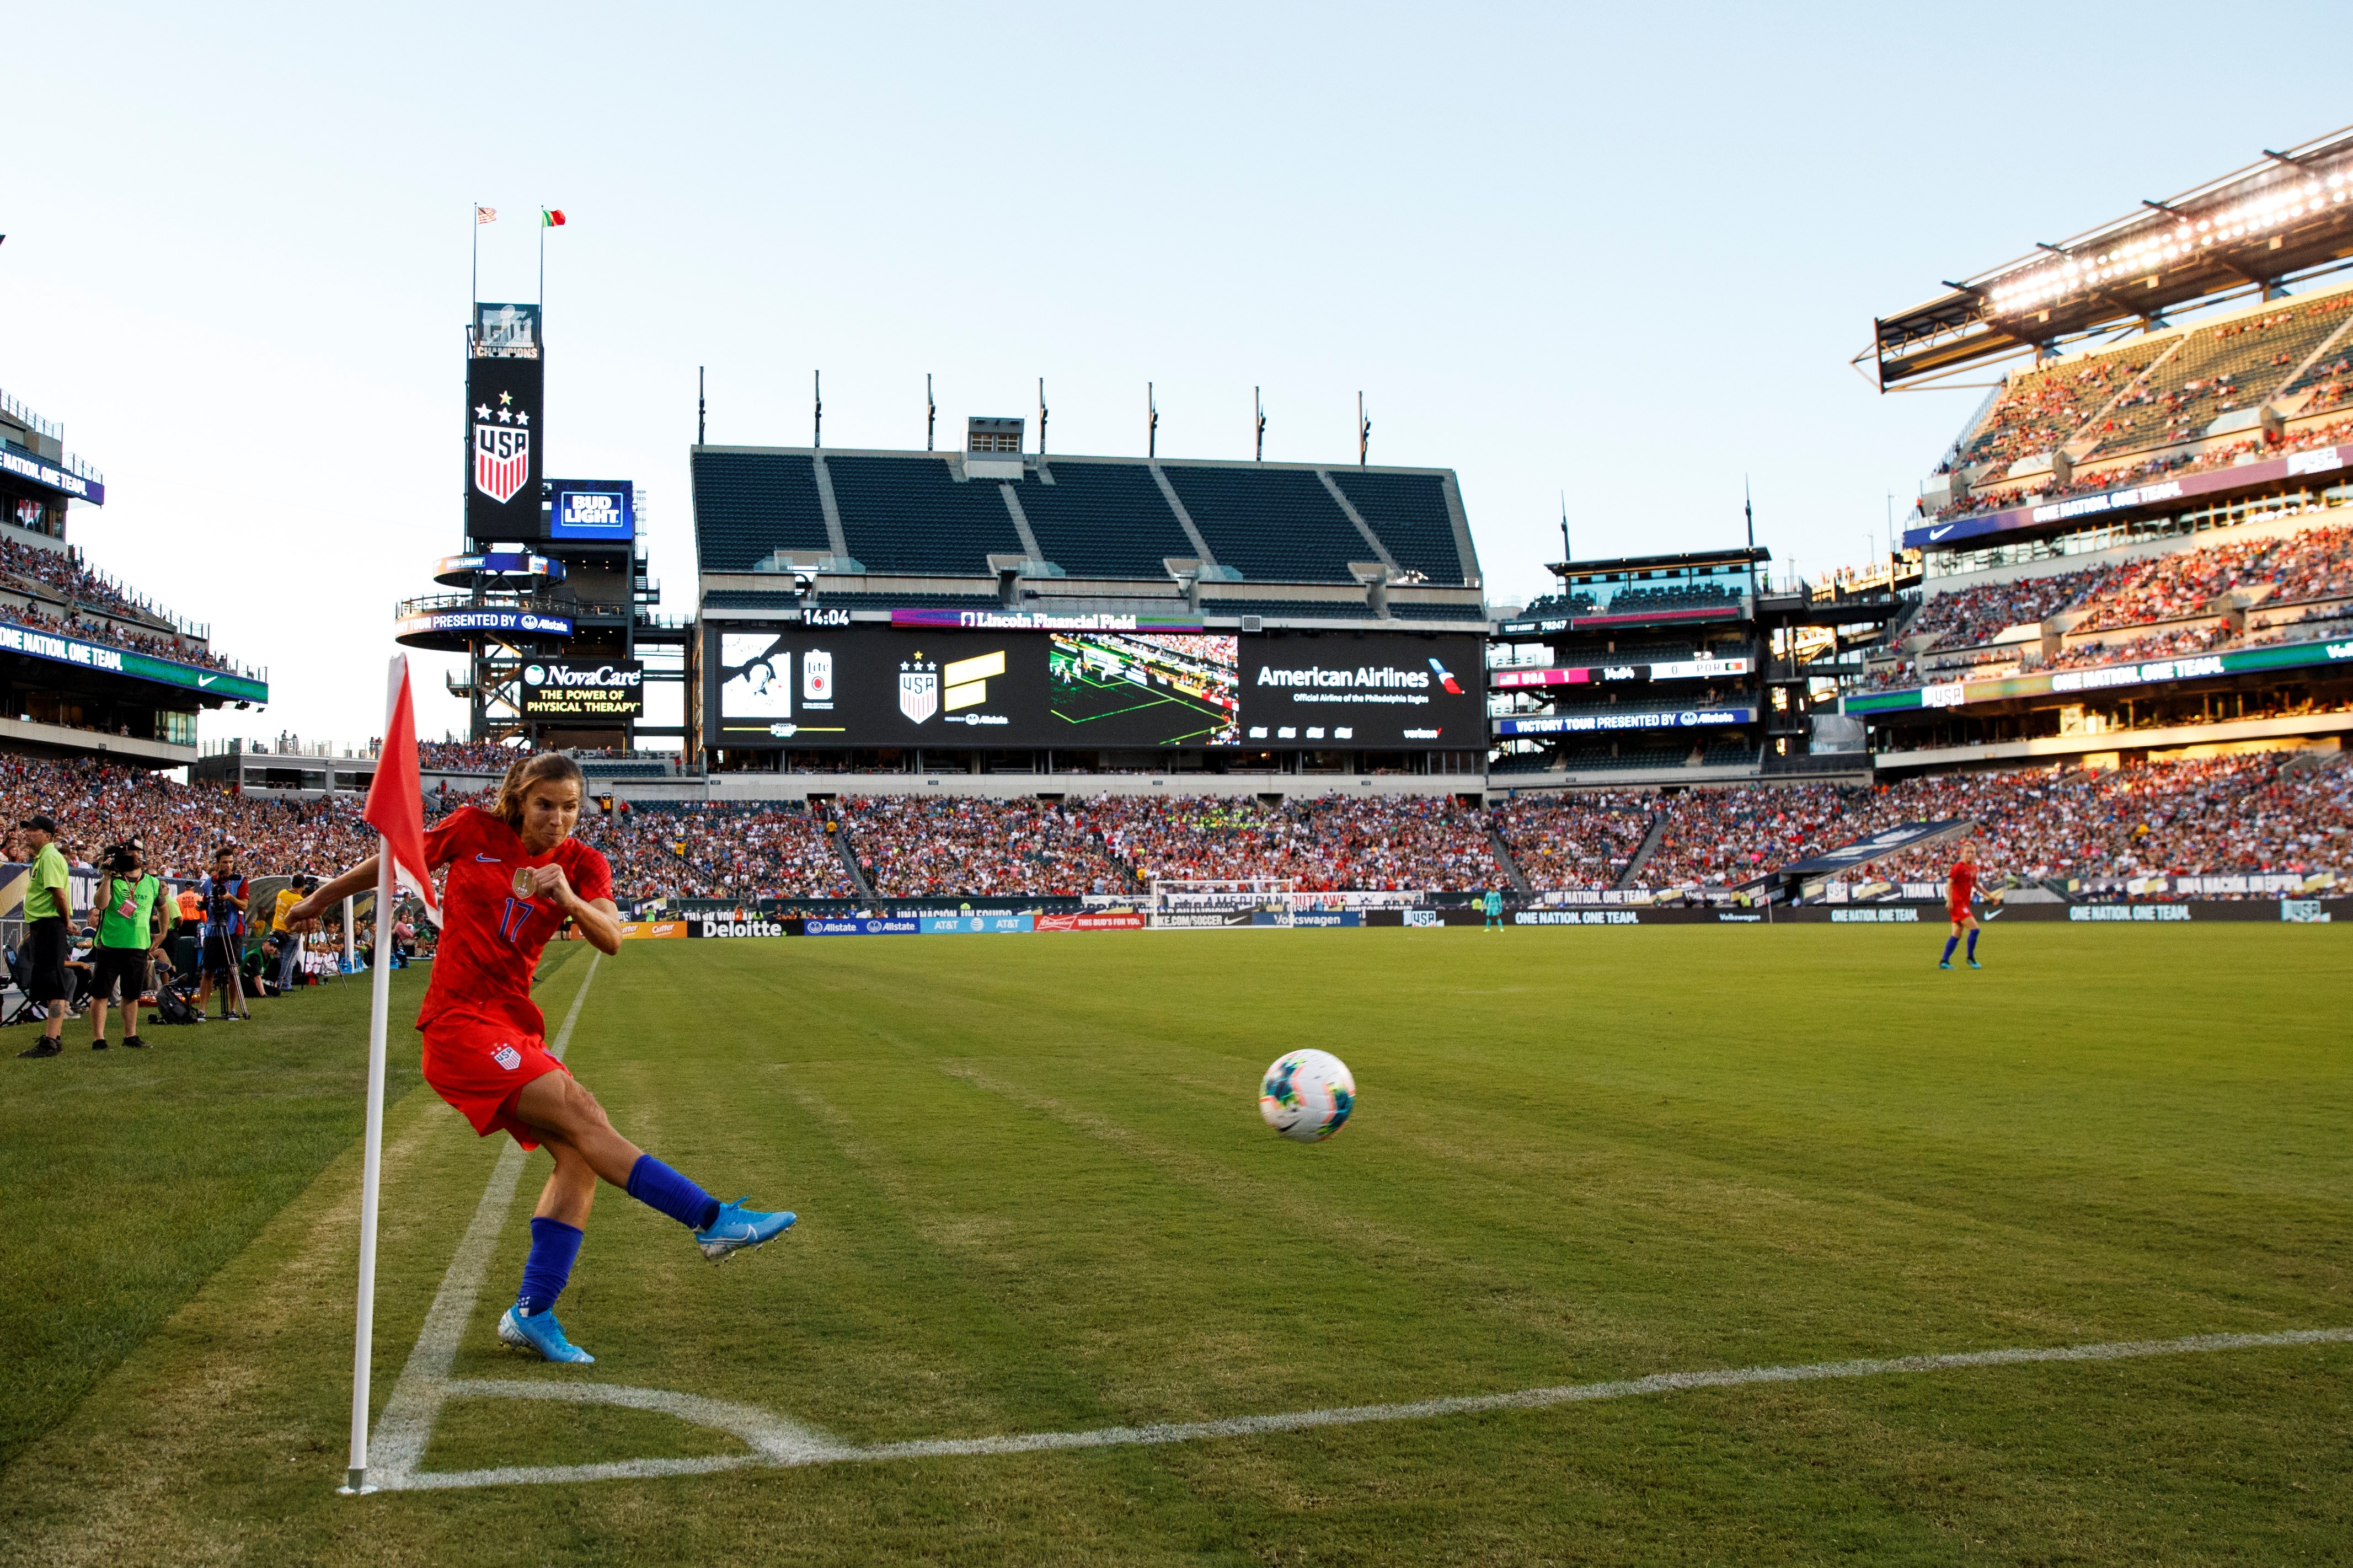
{"points": [[592, 509]]}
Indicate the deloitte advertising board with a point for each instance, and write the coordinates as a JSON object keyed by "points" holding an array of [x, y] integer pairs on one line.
{"points": [[1106, 683], [583, 689]]}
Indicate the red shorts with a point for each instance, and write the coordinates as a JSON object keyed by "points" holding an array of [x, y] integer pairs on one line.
{"points": [[1959, 912], [480, 1067]]}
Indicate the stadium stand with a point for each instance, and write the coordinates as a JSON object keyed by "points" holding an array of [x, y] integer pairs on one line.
{"points": [[1104, 520], [720, 850], [1276, 525], [1380, 843], [1575, 843], [748, 505], [2267, 812], [96, 805], [464, 757], [913, 847], [2312, 564], [2038, 409], [909, 514], [1406, 513]]}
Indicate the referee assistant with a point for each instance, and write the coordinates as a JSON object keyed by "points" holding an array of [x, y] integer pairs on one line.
{"points": [[48, 907]]}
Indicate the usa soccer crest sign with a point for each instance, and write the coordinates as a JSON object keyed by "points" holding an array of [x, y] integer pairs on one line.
{"points": [[501, 452], [918, 689], [504, 441]]}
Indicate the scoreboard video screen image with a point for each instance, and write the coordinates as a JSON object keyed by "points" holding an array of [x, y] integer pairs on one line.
{"points": [[881, 686]]}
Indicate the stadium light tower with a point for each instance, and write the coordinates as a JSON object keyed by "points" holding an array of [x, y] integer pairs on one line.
{"points": [[700, 407], [817, 428], [1364, 431], [931, 414], [1258, 405], [1042, 416], [1150, 423]]}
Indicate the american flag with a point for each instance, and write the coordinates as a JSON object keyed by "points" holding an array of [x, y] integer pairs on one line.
{"points": [[486, 215]]}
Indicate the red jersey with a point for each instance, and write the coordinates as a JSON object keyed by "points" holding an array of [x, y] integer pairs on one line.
{"points": [[492, 934], [1964, 883]]}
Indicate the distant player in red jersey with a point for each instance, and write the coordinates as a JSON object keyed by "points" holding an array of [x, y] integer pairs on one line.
{"points": [[515, 874], [1960, 896]]}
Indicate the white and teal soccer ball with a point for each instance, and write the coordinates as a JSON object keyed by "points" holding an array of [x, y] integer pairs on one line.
{"points": [[1307, 1095]]}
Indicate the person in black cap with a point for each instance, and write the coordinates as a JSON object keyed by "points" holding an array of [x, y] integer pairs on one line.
{"points": [[129, 933], [48, 909]]}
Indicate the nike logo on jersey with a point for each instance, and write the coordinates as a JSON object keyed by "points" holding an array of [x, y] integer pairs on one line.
{"points": [[487, 861]]}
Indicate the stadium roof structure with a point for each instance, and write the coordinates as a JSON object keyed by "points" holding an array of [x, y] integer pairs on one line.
{"points": [[2282, 219], [874, 530]]}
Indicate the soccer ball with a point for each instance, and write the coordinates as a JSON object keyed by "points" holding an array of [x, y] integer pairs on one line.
{"points": [[1307, 1095]]}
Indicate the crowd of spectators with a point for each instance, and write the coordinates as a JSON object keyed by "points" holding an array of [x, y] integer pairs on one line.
{"points": [[2156, 645], [720, 850], [64, 573], [913, 847], [2268, 812], [465, 757], [1575, 842], [2315, 564], [1966, 617], [1384, 843], [96, 805]]}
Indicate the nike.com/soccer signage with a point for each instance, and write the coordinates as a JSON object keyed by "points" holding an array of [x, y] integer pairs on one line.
{"points": [[583, 689], [876, 686]]}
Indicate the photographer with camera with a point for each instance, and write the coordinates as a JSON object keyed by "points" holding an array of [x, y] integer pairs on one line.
{"points": [[48, 909], [131, 927], [221, 947]]}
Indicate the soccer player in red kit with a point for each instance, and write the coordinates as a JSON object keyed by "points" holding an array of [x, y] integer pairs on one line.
{"points": [[515, 874], [1960, 894]]}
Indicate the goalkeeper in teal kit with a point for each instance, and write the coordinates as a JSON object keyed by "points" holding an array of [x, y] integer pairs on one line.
{"points": [[1493, 905]]}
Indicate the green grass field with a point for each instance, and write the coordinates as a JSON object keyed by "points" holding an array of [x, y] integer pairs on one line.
{"points": [[1037, 1198]]}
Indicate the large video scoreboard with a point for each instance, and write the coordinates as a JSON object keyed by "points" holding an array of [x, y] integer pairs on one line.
{"points": [[1111, 685]]}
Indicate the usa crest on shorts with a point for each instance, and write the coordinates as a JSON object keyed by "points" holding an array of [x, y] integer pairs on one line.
{"points": [[918, 689]]}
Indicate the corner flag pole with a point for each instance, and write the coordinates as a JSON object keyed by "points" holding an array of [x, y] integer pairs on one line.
{"points": [[372, 1165]]}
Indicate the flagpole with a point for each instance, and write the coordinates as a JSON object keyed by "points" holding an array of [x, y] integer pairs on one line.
{"points": [[372, 1162], [474, 284]]}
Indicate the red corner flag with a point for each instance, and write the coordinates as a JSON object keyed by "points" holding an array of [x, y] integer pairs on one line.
{"points": [[396, 802]]}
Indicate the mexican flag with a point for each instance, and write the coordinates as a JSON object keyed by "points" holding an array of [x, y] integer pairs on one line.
{"points": [[551, 218]]}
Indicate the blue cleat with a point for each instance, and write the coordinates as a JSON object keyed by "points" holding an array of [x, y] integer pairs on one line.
{"points": [[738, 1227], [542, 1335], [1975, 964], [1945, 963]]}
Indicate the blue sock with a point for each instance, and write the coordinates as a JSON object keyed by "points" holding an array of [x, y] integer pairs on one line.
{"points": [[657, 1186], [1973, 942], [553, 1247], [1950, 942]]}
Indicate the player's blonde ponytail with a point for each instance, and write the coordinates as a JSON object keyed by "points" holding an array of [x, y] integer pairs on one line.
{"points": [[528, 771]]}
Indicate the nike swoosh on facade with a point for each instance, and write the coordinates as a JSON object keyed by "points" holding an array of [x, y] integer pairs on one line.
{"points": [[1940, 532]]}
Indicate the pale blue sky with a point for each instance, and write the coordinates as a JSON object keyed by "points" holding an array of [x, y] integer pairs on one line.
{"points": [[1623, 252]]}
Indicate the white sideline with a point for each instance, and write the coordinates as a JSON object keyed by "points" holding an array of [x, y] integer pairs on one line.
{"points": [[426, 1385]]}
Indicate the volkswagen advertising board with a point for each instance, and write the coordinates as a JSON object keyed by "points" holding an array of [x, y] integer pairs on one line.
{"points": [[583, 689], [878, 686]]}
